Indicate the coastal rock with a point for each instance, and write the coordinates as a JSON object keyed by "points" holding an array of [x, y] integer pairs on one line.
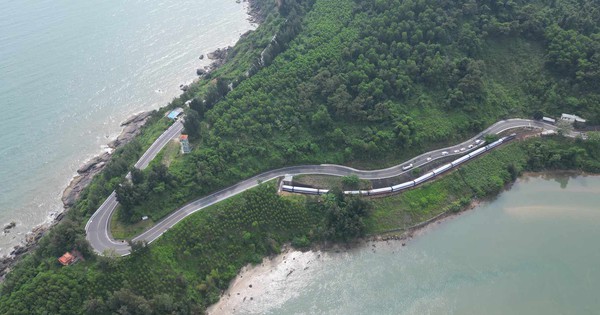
{"points": [[18, 250], [136, 118], [72, 192], [200, 71], [219, 54], [9, 226], [31, 241], [87, 172], [131, 128], [201, 57], [96, 162]]}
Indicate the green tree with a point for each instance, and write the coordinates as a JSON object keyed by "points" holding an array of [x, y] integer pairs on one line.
{"points": [[192, 124]]}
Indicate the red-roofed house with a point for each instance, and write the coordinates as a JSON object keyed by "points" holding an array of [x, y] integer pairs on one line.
{"points": [[66, 259]]}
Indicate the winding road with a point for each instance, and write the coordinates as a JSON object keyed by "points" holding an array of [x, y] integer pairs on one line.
{"points": [[97, 228]]}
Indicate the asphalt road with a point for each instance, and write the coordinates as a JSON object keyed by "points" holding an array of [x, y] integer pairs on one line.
{"points": [[97, 227], [159, 144]]}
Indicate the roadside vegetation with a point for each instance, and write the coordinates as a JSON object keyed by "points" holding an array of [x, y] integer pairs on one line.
{"points": [[370, 84], [185, 270], [361, 83]]}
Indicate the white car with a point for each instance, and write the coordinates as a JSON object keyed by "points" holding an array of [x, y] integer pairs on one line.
{"points": [[405, 167], [470, 146], [428, 158], [444, 153], [456, 151], [462, 149], [478, 141]]}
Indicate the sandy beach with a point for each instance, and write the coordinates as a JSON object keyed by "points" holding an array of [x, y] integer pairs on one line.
{"points": [[247, 292], [279, 275]]}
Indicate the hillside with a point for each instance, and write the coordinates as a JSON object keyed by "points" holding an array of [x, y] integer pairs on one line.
{"points": [[360, 83], [370, 84]]}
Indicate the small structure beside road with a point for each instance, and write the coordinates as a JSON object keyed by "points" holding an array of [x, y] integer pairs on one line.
{"points": [[549, 120], [185, 144], [288, 179], [175, 113], [546, 133], [572, 118]]}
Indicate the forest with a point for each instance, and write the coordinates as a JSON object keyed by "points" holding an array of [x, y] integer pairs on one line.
{"points": [[369, 84], [355, 82]]}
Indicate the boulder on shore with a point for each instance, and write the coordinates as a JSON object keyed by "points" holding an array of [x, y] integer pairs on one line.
{"points": [[219, 54], [9, 226]]}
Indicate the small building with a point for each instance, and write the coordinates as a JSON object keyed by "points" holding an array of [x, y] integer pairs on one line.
{"points": [[175, 113], [288, 179], [67, 259], [572, 118], [185, 144], [548, 120], [188, 102], [547, 133]]}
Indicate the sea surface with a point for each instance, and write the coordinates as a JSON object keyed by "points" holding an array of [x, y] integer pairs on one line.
{"points": [[71, 71], [533, 250]]}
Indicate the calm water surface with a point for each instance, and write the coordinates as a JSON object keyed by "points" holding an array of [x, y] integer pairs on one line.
{"points": [[71, 71], [534, 250]]}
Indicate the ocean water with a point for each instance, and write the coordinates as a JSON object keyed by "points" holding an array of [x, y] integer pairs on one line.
{"points": [[71, 71], [534, 250]]}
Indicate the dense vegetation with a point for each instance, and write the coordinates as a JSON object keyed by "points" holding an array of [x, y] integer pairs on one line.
{"points": [[356, 82], [482, 178], [186, 269], [370, 83]]}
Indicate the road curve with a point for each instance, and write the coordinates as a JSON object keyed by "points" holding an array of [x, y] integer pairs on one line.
{"points": [[97, 229]]}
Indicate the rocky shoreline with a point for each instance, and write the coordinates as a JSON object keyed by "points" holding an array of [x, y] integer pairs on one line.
{"points": [[85, 174], [131, 128]]}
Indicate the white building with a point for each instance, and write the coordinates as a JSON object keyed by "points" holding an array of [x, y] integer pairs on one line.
{"points": [[549, 120], [572, 118]]}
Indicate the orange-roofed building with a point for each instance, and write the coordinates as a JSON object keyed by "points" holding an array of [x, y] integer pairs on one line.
{"points": [[183, 137], [66, 259]]}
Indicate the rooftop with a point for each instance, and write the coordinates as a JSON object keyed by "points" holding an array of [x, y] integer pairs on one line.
{"points": [[66, 259], [572, 118], [174, 113]]}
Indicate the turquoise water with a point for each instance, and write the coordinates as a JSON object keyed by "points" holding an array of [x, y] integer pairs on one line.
{"points": [[534, 250], [71, 71]]}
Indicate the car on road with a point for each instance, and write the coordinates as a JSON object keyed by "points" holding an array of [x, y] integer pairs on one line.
{"points": [[456, 151], [428, 158], [470, 146], [462, 149], [478, 141], [406, 167], [444, 153]]}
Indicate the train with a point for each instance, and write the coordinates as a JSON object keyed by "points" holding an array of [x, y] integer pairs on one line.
{"points": [[410, 184]]}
